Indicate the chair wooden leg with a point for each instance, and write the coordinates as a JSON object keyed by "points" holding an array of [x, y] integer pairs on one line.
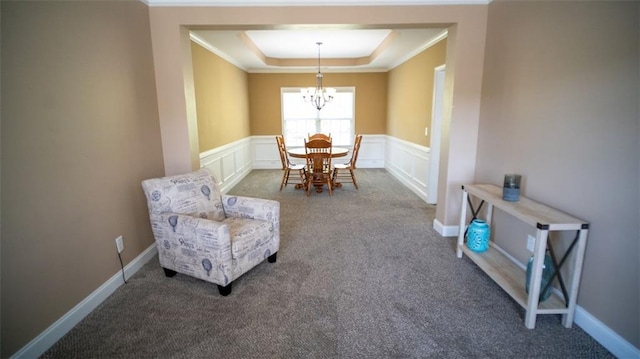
{"points": [[169, 273], [308, 184], [303, 176], [225, 291], [284, 178], [353, 178]]}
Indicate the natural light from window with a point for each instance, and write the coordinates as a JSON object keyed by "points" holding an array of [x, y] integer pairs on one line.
{"points": [[300, 118]]}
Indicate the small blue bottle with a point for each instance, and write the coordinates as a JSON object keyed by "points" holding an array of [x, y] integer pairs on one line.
{"points": [[547, 273]]}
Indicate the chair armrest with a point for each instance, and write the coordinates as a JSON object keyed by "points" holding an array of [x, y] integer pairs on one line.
{"points": [[249, 207], [255, 208]]}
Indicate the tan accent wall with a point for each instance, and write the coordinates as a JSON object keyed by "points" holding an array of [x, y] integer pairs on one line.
{"points": [[265, 104], [80, 132], [411, 95], [222, 103], [560, 107]]}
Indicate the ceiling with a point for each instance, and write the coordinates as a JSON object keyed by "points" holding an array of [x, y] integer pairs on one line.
{"points": [[345, 48], [296, 50]]}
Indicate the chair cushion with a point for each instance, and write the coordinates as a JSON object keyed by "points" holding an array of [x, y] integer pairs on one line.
{"points": [[247, 234], [196, 194]]}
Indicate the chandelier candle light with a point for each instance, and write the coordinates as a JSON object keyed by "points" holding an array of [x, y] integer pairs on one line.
{"points": [[318, 96]]}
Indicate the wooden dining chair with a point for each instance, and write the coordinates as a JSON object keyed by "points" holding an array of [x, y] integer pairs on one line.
{"points": [[319, 136], [289, 168], [318, 156], [340, 174]]}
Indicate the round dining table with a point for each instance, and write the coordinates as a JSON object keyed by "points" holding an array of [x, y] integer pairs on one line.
{"points": [[300, 152]]}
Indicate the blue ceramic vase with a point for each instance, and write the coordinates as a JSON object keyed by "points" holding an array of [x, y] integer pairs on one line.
{"points": [[548, 270], [478, 235]]}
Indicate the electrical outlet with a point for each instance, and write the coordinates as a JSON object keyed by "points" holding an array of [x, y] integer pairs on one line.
{"points": [[119, 244], [531, 243]]}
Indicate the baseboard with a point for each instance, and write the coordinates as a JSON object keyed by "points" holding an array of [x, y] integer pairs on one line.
{"points": [[609, 339], [406, 181], [445, 231], [57, 330], [230, 183], [591, 325]]}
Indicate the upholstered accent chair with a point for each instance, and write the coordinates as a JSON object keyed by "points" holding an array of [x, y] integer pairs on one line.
{"points": [[202, 233]]}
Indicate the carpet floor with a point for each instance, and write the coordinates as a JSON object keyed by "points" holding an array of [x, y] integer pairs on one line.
{"points": [[360, 274]]}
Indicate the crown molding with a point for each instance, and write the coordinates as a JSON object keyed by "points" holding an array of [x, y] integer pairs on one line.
{"points": [[441, 36], [198, 40], [256, 3]]}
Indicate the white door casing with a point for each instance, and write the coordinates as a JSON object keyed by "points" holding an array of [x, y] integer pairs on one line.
{"points": [[436, 133]]}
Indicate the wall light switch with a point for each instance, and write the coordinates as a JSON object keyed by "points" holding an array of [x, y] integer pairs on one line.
{"points": [[531, 243]]}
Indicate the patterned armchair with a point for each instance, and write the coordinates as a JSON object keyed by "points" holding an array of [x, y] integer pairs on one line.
{"points": [[204, 234]]}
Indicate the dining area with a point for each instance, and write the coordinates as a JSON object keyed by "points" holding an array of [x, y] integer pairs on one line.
{"points": [[323, 166]]}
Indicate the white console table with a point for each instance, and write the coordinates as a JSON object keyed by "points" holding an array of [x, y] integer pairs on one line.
{"points": [[510, 276]]}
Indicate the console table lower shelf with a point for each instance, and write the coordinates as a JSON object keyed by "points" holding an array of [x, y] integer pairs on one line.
{"points": [[510, 278]]}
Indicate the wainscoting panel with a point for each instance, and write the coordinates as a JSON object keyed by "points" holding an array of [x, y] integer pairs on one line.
{"points": [[265, 152], [409, 163], [230, 163], [371, 151]]}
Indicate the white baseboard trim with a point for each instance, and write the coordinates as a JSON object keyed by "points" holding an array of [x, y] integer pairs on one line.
{"points": [[445, 231], [57, 330], [609, 339], [591, 325], [406, 181]]}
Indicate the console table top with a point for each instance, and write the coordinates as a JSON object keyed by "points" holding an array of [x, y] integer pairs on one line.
{"points": [[527, 210]]}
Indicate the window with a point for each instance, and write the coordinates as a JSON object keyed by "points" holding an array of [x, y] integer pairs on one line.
{"points": [[300, 118]]}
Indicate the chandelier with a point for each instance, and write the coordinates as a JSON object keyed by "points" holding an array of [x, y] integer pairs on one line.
{"points": [[318, 96]]}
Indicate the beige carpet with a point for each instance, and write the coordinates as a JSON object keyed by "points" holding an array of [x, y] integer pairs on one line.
{"points": [[361, 274]]}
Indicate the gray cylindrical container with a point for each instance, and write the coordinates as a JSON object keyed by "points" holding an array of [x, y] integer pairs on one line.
{"points": [[511, 188]]}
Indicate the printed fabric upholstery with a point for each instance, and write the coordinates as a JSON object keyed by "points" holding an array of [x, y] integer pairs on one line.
{"points": [[247, 234], [206, 235], [196, 194]]}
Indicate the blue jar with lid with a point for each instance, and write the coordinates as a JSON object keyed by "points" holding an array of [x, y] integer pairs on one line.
{"points": [[478, 234]]}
